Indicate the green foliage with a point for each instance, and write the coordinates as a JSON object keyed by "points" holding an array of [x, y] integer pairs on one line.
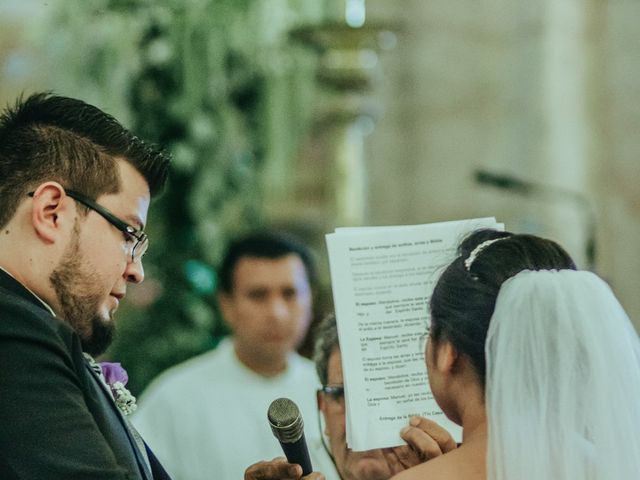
{"points": [[216, 83], [198, 96]]}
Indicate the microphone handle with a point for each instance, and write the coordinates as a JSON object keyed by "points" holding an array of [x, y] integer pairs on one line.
{"points": [[297, 452]]}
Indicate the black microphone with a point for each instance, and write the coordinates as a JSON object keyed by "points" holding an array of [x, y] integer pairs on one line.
{"points": [[288, 427], [504, 181]]}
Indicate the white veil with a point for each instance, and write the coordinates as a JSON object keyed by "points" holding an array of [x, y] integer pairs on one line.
{"points": [[563, 381]]}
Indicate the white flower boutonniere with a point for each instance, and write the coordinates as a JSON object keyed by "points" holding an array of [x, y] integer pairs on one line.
{"points": [[116, 378]]}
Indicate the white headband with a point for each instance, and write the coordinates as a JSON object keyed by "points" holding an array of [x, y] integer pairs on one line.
{"points": [[476, 251]]}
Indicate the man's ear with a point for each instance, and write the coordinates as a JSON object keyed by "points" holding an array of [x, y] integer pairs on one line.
{"points": [[446, 356], [320, 400], [52, 212], [227, 308], [322, 407]]}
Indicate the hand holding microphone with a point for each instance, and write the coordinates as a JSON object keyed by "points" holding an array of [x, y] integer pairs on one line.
{"points": [[287, 426], [278, 469]]}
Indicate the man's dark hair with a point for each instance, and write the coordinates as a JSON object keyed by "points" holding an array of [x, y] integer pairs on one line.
{"points": [[326, 335], [53, 138], [464, 297], [267, 244]]}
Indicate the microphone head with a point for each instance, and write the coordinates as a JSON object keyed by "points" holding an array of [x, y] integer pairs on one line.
{"points": [[285, 420]]}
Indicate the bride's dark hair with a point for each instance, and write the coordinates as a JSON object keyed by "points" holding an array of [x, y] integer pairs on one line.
{"points": [[464, 298]]}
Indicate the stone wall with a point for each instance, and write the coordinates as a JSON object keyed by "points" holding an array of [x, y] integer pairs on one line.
{"points": [[543, 91]]}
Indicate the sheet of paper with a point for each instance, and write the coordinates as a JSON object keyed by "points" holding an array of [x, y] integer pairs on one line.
{"points": [[382, 279]]}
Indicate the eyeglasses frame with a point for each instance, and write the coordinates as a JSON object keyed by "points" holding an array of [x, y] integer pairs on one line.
{"points": [[334, 391], [121, 225]]}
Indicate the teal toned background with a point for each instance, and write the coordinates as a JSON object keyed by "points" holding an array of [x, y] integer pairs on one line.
{"points": [[312, 114]]}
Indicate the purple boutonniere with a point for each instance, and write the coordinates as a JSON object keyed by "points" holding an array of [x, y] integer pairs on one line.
{"points": [[116, 378], [113, 372]]}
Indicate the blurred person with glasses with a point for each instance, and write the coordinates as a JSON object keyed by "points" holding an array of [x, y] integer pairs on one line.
{"points": [[75, 189], [425, 439]]}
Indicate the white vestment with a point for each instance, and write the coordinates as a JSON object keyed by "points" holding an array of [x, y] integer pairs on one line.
{"points": [[207, 417]]}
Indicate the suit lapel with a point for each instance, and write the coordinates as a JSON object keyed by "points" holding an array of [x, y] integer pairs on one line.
{"points": [[128, 446], [158, 471], [114, 426], [120, 427]]}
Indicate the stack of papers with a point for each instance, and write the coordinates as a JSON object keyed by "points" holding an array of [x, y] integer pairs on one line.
{"points": [[382, 279]]}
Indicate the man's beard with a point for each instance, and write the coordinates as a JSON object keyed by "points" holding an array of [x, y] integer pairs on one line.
{"points": [[80, 303]]}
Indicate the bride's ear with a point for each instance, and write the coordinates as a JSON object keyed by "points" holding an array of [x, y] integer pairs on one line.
{"points": [[446, 357]]}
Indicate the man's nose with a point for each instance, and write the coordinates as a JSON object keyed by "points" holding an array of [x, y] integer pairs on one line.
{"points": [[278, 308], [134, 273]]}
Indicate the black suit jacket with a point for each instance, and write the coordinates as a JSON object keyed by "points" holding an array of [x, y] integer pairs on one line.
{"points": [[57, 420]]}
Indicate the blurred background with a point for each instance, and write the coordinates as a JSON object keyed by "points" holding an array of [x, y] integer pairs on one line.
{"points": [[307, 115]]}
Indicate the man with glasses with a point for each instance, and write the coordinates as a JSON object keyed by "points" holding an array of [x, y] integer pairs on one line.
{"points": [[425, 438], [75, 188]]}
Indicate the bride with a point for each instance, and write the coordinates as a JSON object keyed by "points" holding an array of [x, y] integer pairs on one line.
{"points": [[537, 361]]}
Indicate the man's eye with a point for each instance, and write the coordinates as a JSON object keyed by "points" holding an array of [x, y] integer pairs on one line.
{"points": [[128, 237], [289, 294], [257, 295]]}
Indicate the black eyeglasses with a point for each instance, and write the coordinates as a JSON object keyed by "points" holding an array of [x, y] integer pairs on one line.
{"points": [[335, 392], [141, 244]]}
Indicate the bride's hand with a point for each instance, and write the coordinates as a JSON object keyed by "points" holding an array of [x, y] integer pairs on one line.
{"points": [[425, 440]]}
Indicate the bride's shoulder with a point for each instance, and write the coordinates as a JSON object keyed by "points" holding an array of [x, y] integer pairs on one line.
{"points": [[451, 466], [435, 469]]}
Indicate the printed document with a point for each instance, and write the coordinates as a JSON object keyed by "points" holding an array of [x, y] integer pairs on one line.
{"points": [[382, 279]]}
